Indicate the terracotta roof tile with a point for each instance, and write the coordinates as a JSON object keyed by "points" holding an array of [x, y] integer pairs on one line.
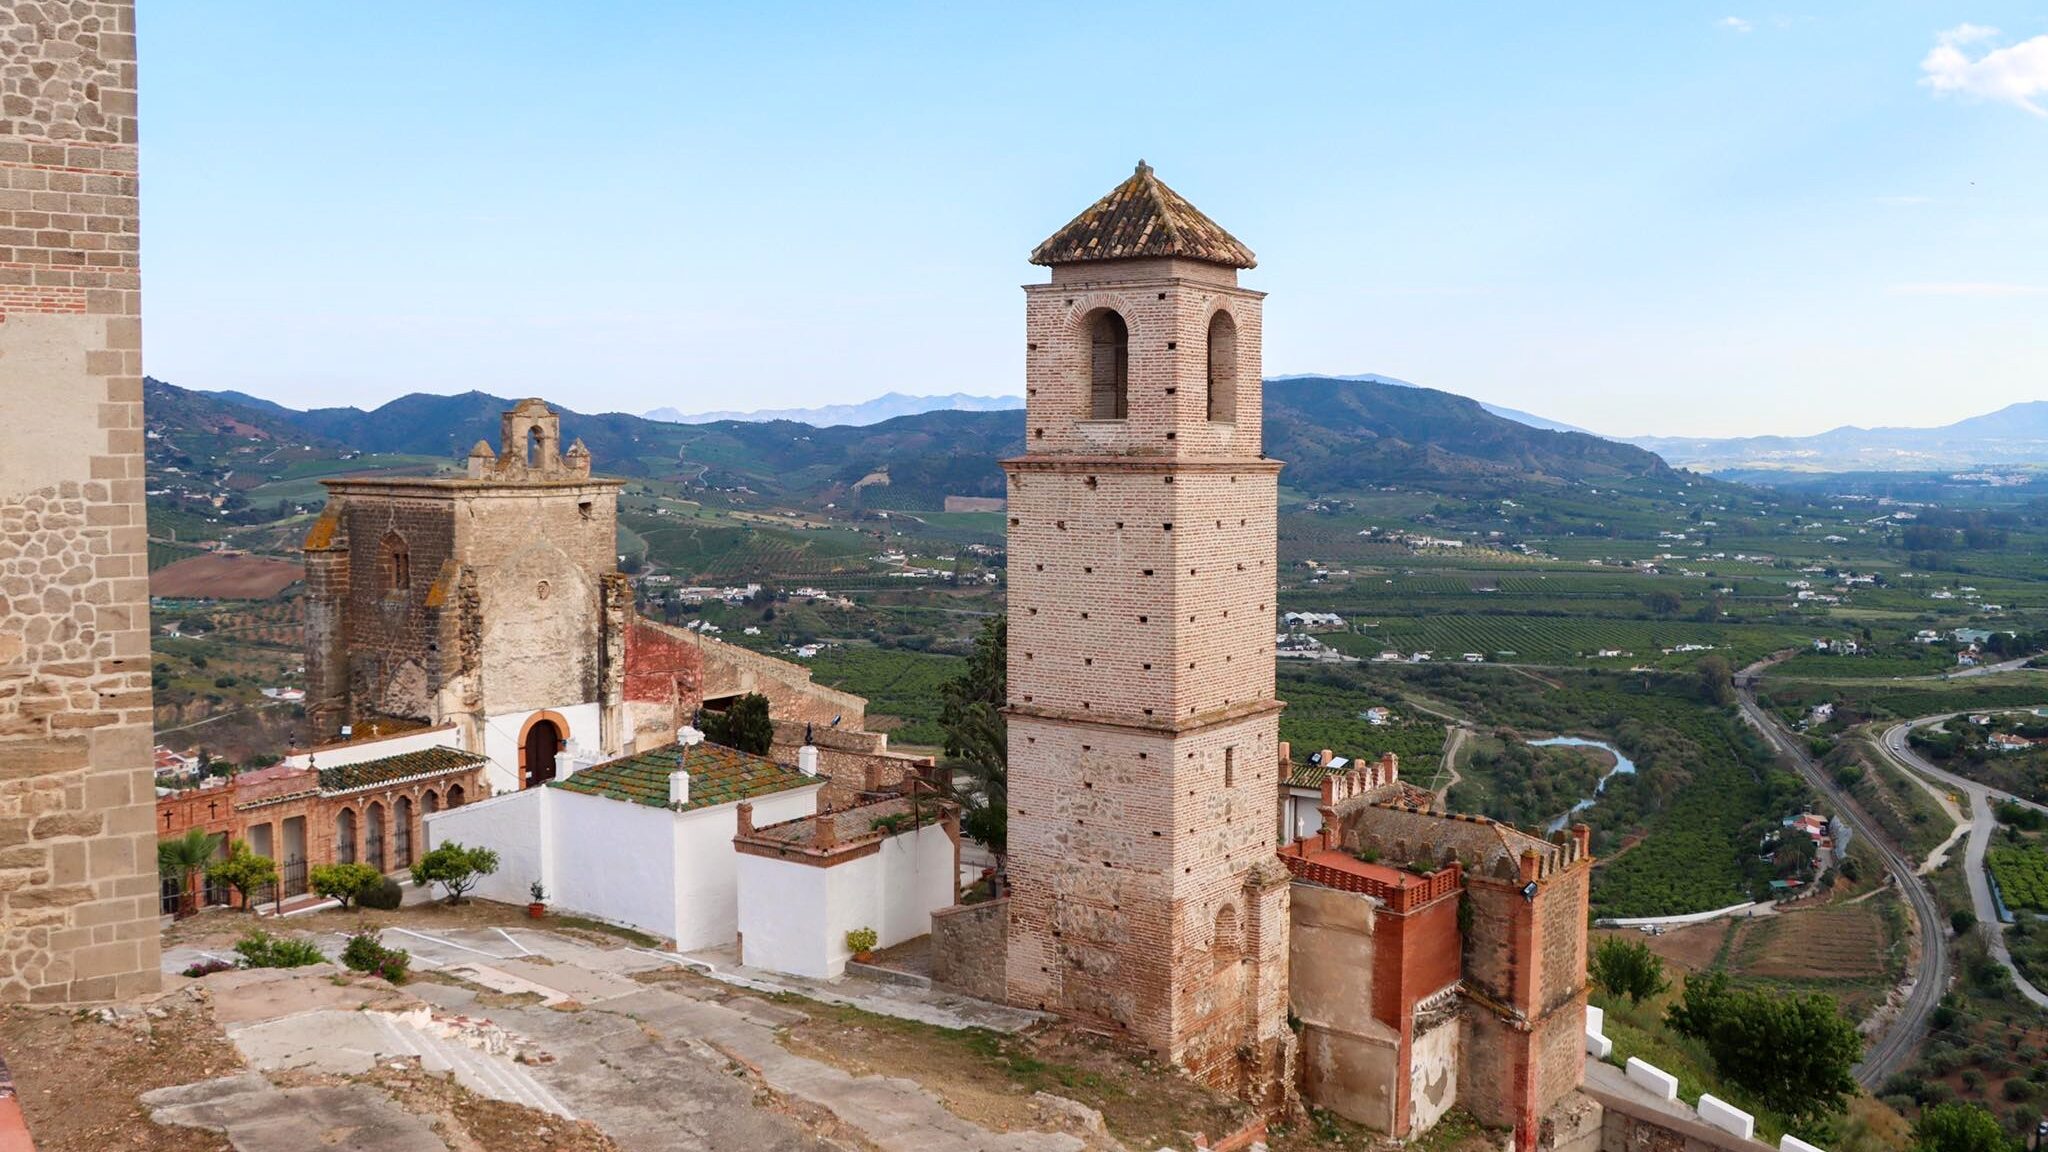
{"points": [[718, 775], [1142, 217]]}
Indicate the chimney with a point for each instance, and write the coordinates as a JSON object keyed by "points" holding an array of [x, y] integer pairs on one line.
{"points": [[746, 811], [807, 759], [679, 787], [565, 761], [827, 831], [1286, 754]]}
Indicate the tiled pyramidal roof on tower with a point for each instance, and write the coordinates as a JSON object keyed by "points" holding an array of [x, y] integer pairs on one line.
{"points": [[1142, 217]]}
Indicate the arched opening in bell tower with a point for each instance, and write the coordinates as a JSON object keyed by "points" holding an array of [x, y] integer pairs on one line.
{"points": [[1222, 369], [534, 451], [1109, 366]]}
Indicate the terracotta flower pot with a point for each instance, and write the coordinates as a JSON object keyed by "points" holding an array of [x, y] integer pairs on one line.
{"points": [[864, 957], [536, 910]]}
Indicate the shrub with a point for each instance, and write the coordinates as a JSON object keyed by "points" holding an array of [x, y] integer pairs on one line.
{"points": [[862, 940], [1958, 1128], [455, 868], [385, 897], [259, 949], [345, 882], [208, 968], [1962, 920], [1628, 968], [365, 953]]}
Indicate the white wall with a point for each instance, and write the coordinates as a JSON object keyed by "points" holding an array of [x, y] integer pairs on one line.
{"points": [[501, 739], [516, 825], [794, 917], [706, 877], [668, 873], [919, 876], [335, 756], [783, 934], [1304, 813], [615, 860]]}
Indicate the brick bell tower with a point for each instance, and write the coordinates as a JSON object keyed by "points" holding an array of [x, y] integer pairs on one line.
{"points": [[1143, 730]]}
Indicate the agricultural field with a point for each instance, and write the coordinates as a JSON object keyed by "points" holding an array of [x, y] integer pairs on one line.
{"points": [[1324, 710], [1679, 834], [902, 688], [1906, 699], [1850, 950], [225, 576], [2022, 875], [709, 547]]}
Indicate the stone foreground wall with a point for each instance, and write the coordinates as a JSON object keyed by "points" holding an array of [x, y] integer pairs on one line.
{"points": [[78, 885], [969, 942]]}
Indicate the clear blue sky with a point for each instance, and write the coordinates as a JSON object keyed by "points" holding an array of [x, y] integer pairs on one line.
{"points": [[1637, 217]]}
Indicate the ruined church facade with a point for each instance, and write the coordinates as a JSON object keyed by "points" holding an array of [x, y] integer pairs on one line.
{"points": [[489, 601], [1143, 728]]}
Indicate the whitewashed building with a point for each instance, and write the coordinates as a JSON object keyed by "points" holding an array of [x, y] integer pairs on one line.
{"points": [[805, 883], [644, 840]]}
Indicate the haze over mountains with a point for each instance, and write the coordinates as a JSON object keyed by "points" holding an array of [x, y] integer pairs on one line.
{"points": [[2016, 435], [887, 406], [1334, 434]]}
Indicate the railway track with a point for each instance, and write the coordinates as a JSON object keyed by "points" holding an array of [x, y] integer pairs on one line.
{"points": [[1889, 1051]]}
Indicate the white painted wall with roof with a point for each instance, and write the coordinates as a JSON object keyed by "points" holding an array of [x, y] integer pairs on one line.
{"points": [[794, 916], [670, 874]]}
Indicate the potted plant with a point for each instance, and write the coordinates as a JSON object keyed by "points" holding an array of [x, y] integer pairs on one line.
{"points": [[861, 942], [539, 907]]}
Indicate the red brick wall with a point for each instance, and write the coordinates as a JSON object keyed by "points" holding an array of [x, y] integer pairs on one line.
{"points": [[662, 667]]}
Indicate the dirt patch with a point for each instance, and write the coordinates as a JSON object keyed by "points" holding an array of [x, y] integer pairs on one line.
{"points": [[225, 576], [1691, 948], [65, 1062], [990, 1078]]}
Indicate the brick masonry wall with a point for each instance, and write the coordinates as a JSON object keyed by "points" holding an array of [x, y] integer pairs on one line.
{"points": [[968, 945], [1144, 733], [78, 885]]}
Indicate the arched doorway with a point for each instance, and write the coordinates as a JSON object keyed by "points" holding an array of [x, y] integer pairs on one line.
{"points": [[345, 836], [543, 736]]}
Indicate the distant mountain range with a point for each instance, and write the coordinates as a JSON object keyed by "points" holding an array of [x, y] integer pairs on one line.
{"points": [[1515, 414], [2016, 435], [887, 406], [1335, 434]]}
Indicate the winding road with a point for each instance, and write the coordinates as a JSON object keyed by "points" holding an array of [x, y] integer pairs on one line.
{"points": [[1889, 1051], [1982, 824]]}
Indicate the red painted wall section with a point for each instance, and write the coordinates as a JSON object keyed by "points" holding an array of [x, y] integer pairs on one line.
{"points": [[661, 669]]}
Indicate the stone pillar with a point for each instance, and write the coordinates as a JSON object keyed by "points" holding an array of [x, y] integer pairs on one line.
{"points": [[78, 883]]}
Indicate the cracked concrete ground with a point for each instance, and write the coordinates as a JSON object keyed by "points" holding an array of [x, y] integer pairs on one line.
{"points": [[561, 1026], [258, 1116]]}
